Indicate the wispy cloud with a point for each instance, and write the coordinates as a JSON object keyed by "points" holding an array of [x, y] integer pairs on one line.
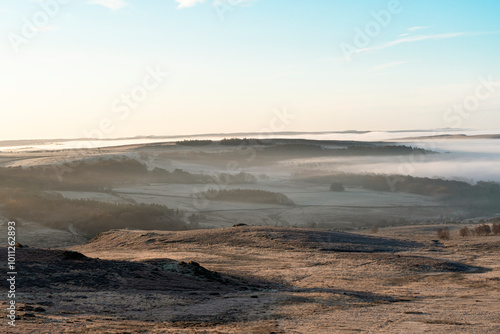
{"points": [[111, 4], [226, 3], [388, 65], [408, 38], [412, 29], [419, 38], [188, 3], [418, 28], [412, 39]]}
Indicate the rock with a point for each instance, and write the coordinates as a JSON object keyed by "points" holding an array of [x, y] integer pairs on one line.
{"points": [[71, 256]]}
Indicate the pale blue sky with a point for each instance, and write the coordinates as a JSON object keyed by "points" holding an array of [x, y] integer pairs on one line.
{"points": [[233, 63]]}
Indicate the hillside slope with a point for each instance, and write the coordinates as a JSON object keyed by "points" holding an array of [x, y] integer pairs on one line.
{"points": [[262, 280]]}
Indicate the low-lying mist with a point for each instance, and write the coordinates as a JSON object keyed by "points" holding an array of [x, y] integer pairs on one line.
{"points": [[465, 160]]}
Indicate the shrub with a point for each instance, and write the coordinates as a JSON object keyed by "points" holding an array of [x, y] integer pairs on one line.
{"points": [[443, 233], [482, 230], [496, 229], [465, 232]]}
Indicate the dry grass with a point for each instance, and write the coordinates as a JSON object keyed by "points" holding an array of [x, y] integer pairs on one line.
{"points": [[335, 283]]}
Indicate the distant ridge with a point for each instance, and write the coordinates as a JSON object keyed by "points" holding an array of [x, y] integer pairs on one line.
{"points": [[365, 136], [455, 136]]}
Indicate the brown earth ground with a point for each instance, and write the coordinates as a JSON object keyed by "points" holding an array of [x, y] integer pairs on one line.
{"points": [[261, 280]]}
